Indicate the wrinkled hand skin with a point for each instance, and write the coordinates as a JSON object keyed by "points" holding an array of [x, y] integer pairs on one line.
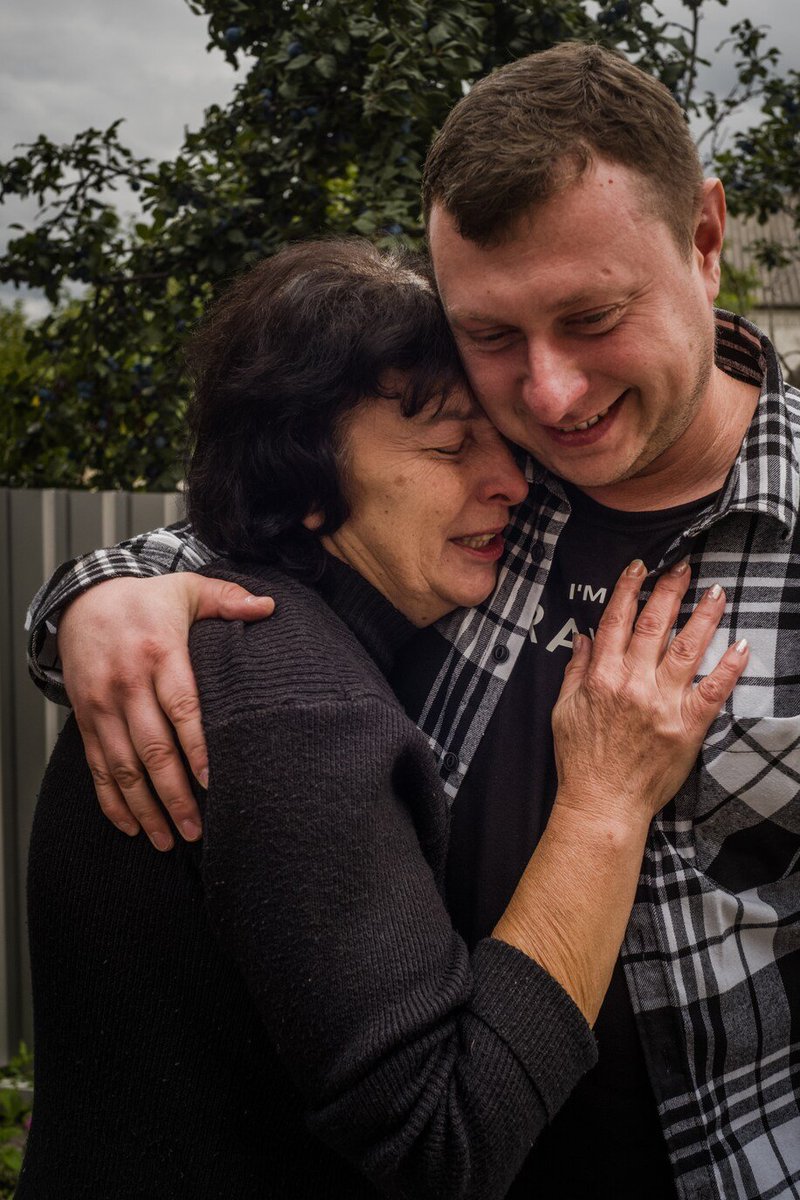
{"points": [[628, 725], [629, 721], [123, 646]]}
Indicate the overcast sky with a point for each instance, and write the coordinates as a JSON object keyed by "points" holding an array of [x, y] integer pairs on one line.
{"points": [[66, 65], [69, 64]]}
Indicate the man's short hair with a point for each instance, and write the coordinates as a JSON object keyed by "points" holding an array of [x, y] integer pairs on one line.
{"points": [[279, 362], [535, 126]]}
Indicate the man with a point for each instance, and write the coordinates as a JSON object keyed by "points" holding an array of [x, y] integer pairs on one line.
{"points": [[576, 249]]}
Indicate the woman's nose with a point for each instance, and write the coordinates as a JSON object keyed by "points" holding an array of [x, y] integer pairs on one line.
{"points": [[501, 477]]}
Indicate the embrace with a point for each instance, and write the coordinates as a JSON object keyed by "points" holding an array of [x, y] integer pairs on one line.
{"points": [[493, 897]]}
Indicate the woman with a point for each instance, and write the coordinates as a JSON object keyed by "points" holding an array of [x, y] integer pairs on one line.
{"points": [[285, 1009]]}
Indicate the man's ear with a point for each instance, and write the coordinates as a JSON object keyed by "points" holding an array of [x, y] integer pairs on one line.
{"points": [[709, 234], [313, 520]]}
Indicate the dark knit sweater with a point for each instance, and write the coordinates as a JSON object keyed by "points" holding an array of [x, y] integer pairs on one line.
{"points": [[284, 1009]]}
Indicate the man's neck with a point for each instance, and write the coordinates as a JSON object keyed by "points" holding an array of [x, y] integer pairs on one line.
{"points": [[698, 463]]}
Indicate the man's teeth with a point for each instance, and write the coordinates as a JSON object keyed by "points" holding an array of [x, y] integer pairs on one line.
{"points": [[476, 543], [584, 424]]}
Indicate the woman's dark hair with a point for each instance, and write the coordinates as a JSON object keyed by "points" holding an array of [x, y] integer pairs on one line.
{"points": [[291, 348]]}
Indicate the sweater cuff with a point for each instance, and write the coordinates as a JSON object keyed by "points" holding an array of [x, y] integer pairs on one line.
{"points": [[535, 1017]]}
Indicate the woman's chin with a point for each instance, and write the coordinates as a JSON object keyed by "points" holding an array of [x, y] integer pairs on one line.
{"points": [[474, 590], [441, 592]]}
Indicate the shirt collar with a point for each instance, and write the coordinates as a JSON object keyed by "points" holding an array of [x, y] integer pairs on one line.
{"points": [[765, 476]]}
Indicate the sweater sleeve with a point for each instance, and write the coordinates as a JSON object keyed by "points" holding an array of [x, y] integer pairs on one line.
{"points": [[430, 1069], [173, 548]]}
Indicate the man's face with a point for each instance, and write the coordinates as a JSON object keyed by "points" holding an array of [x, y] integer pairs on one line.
{"points": [[587, 333]]}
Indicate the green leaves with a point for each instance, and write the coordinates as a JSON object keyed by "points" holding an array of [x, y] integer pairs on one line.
{"points": [[326, 65], [15, 1113], [326, 133]]}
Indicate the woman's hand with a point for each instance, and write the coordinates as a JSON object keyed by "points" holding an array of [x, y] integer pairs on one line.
{"points": [[629, 720], [628, 725]]}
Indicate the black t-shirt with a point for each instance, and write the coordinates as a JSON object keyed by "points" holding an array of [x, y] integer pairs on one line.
{"points": [[607, 1140]]}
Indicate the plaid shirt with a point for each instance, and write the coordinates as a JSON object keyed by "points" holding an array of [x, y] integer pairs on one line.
{"points": [[712, 952]]}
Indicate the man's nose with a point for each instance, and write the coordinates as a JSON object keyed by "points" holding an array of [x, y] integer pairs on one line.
{"points": [[555, 385]]}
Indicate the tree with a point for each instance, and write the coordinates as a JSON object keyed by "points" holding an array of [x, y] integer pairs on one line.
{"points": [[19, 373], [327, 132]]}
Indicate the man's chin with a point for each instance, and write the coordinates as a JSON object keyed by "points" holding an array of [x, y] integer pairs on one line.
{"points": [[588, 474]]}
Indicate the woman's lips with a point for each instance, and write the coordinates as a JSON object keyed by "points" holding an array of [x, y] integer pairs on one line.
{"points": [[485, 546]]}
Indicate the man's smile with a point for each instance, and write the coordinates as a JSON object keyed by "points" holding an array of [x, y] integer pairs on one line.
{"points": [[589, 431], [583, 424]]}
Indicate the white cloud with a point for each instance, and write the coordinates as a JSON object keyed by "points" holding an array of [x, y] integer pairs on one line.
{"points": [[66, 66], [779, 17]]}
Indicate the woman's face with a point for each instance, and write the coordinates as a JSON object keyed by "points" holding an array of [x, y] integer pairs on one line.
{"points": [[429, 497]]}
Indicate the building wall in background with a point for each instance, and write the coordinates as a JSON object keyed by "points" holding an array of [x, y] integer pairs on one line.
{"points": [[776, 295]]}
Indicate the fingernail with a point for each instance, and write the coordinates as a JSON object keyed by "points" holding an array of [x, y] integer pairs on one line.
{"points": [[203, 778], [680, 567], [161, 841], [576, 641], [636, 567], [131, 830], [190, 830], [741, 646], [714, 592]]}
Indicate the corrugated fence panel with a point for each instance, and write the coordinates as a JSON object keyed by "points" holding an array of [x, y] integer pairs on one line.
{"points": [[7, 832], [38, 530]]}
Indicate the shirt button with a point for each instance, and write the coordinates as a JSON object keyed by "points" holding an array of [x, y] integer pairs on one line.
{"points": [[500, 654], [537, 552], [450, 761]]}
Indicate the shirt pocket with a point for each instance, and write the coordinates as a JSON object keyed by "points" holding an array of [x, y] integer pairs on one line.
{"points": [[746, 811]]}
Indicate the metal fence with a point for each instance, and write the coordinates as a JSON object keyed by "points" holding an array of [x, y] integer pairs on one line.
{"points": [[38, 530]]}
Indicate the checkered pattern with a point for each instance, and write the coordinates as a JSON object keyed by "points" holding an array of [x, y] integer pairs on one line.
{"points": [[157, 553], [712, 953]]}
